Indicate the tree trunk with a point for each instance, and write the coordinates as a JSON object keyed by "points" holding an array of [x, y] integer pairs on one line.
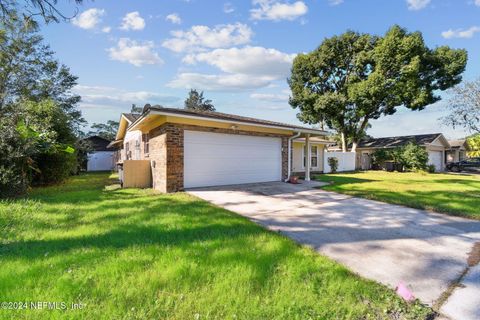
{"points": [[354, 147], [344, 142]]}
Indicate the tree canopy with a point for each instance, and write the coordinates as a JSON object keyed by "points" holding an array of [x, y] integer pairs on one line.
{"points": [[196, 101], [353, 78], [464, 106], [106, 130], [47, 9]]}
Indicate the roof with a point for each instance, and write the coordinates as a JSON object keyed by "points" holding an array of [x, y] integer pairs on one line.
{"points": [[226, 117], [391, 142], [98, 143], [131, 117], [456, 144]]}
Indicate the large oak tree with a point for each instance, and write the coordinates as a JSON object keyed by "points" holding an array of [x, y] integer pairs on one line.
{"points": [[353, 78]]}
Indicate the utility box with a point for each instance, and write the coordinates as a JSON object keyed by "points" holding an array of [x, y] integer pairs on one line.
{"points": [[136, 174]]}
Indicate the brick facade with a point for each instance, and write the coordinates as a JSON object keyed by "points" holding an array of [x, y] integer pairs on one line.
{"points": [[167, 151]]}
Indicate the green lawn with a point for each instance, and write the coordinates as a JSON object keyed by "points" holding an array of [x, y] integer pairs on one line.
{"points": [[137, 254], [447, 193]]}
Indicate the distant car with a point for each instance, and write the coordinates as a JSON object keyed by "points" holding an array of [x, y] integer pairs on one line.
{"points": [[472, 164]]}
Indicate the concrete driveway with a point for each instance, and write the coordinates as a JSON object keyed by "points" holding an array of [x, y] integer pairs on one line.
{"points": [[383, 242]]}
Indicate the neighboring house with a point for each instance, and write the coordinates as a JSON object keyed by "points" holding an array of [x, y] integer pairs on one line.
{"points": [[100, 158], [457, 151], [435, 144], [189, 149]]}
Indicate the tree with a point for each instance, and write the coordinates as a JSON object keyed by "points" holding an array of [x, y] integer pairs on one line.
{"points": [[196, 101], [464, 106], [38, 111], [105, 130], [47, 9], [473, 145], [353, 78], [136, 109]]}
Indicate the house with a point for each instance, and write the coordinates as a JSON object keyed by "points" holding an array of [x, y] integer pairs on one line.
{"points": [[100, 158], [457, 151], [434, 143], [187, 149]]}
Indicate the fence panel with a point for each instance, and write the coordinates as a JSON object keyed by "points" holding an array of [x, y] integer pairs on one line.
{"points": [[346, 161]]}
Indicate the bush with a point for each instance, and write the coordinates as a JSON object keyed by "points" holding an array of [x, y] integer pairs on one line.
{"points": [[54, 167], [414, 157], [431, 168], [380, 157], [333, 163]]}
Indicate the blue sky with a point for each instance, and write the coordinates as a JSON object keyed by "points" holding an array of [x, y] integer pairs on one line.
{"points": [[238, 52]]}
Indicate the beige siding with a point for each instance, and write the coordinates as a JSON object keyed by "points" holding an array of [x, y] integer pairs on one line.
{"points": [[137, 174], [297, 157]]}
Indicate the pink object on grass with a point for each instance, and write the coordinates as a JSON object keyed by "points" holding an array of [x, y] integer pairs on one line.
{"points": [[404, 292]]}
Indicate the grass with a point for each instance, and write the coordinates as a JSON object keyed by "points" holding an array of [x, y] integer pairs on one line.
{"points": [[137, 254], [446, 193]]}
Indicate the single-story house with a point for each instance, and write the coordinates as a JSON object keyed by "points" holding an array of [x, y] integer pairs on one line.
{"points": [[100, 158], [434, 143], [457, 151], [188, 149]]}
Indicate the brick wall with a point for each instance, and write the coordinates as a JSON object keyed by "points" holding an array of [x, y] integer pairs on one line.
{"points": [[167, 151]]}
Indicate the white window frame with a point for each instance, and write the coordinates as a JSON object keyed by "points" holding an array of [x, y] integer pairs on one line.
{"points": [[312, 155]]}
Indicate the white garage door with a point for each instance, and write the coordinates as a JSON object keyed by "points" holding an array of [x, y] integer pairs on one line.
{"points": [[435, 158], [212, 159], [100, 161]]}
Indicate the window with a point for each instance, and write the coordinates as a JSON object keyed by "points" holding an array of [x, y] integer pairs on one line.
{"points": [[314, 156], [128, 153], [146, 141]]}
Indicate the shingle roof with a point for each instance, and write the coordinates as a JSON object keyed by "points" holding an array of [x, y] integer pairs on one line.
{"points": [[391, 142], [132, 116], [226, 116], [456, 143], [98, 143]]}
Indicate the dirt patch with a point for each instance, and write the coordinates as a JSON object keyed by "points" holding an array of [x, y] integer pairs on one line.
{"points": [[474, 255]]}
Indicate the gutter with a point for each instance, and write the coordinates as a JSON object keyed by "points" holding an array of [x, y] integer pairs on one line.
{"points": [[298, 134]]}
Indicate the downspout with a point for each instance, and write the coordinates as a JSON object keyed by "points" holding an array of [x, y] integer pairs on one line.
{"points": [[298, 134]]}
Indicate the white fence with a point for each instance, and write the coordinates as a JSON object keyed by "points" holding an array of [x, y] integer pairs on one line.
{"points": [[346, 161]]}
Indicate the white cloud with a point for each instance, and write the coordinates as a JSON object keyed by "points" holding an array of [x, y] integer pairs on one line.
{"points": [[477, 3], [135, 52], [174, 18], [335, 2], [106, 29], [89, 19], [249, 60], [221, 82], [270, 97], [117, 97], [132, 21], [229, 8], [460, 33], [202, 37], [277, 10], [417, 4]]}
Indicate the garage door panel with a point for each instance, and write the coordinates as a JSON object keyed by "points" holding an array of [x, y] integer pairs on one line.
{"points": [[435, 158], [222, 159]]}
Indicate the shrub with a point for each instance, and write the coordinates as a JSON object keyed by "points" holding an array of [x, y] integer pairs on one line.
{"points": [[431, 168], [379, 157], [414, 157], [333, 163], [54, 167]]}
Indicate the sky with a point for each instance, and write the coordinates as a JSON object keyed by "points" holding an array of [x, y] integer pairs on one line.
{"points": [[239, 52]]}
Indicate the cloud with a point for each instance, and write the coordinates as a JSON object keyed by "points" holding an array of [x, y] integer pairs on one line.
{"points": [[200, 37], [477, 3], [277, 10], [89, 19], [248, 60], [220, 82], [417, 4], [229, 8], [109, 96], [106, 29], [174, 18], [335, 2], [132, 21], [270, 97], [460, 33], [135, 52]]}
